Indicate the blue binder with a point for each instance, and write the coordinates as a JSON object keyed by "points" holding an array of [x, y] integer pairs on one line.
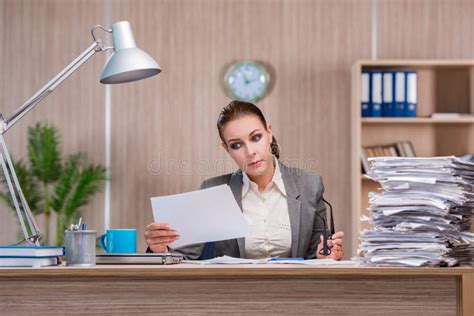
{"points": [[411, 93], [376, 93], [388, 104], [400, 95], [365, 93]]}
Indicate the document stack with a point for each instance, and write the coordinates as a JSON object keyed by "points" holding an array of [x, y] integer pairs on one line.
{"points": [[422, 215]]}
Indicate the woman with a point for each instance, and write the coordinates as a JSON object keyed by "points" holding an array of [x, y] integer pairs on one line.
{"points": [[279, 203]]}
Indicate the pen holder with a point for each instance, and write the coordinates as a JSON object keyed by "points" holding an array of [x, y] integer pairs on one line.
{"points": [[80, 248]]}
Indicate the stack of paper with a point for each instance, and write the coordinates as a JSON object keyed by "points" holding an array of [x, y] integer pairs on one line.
{"points": [[422, 215], [273, 260], [228, 260]]}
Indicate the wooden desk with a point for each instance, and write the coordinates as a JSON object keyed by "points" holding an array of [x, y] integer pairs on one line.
{"points": [[255, 289]]}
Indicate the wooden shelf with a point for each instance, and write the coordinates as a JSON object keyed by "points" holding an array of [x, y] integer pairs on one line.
{"points": [[443, 86], [416, 120], [413, 63]]}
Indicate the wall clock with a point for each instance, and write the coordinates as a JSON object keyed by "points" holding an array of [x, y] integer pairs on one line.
{"points": [[247, 80]]}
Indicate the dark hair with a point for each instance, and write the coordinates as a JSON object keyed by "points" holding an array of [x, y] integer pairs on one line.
{"points": [[237, 109]]}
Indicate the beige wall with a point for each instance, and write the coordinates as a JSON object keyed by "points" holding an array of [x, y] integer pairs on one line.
{"points": [[169, 120], [309, 44], [38, 39]]}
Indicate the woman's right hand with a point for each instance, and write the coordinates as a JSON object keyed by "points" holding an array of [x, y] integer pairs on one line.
{"points": [[159, 235]]}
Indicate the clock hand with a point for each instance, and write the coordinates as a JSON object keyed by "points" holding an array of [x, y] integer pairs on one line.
{"points": [[246, 80]]}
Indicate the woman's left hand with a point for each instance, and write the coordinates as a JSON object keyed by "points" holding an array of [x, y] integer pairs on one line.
{"points": [[335, 244]]}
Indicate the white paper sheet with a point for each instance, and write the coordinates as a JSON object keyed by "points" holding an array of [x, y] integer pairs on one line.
{"points": [[227, 260], [269, 260], [201, 216]]}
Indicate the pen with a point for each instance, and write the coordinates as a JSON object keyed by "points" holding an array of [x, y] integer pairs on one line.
{"points": [[81, 249], [284, 259]]}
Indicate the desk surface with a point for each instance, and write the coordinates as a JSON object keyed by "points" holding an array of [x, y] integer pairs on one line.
{"points": [[252, 289], [186, 269]]}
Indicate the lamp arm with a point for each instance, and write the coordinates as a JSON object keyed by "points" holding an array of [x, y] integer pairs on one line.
{"points": [[27, 221], [32, 236], [7, 123]]}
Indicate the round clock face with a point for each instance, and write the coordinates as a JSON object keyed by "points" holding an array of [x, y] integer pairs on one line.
{"points": [[247, 81]]}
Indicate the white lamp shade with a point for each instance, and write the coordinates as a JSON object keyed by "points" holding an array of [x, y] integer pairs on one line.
{"points": [[127, 63]]}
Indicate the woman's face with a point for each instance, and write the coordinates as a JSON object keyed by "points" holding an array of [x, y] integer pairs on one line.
{"points": [[248, 141]]}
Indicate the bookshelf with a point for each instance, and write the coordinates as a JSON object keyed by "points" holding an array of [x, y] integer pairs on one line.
{"points": [[444, 86], [415, 120]]}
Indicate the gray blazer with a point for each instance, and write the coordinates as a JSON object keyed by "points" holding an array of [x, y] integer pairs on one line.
{"points": [[304, 196]]}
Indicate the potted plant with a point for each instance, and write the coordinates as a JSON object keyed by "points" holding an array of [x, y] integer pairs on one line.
{"points": [[53, 184]]}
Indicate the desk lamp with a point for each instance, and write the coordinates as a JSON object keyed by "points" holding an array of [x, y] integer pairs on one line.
{"points": [[127, 63]]}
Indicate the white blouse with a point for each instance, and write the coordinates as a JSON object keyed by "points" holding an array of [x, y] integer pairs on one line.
{"points": [[267, 214]]}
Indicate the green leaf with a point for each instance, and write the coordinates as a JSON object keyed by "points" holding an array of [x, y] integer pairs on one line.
{"points": [[66, 182], [43, 152], [76, 186], [29, 186], [6, 198], [88, 183]]}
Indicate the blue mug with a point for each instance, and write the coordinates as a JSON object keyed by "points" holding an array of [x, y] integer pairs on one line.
{"points": [[119, 241]]}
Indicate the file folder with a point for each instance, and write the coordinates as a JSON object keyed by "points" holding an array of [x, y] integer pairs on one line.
{"points": [[388, 104], [376, 93], [400, 95], [365, 93], [411, 93]]}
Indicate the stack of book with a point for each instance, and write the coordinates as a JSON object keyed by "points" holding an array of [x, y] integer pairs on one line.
{"points": [[30, 256], [422, 216], [398, 149]]}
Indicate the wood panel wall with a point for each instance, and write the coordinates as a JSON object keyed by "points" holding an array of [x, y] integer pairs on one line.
{"points": [[39, 38], [425, 29], [170, 120], [164, 139]]}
